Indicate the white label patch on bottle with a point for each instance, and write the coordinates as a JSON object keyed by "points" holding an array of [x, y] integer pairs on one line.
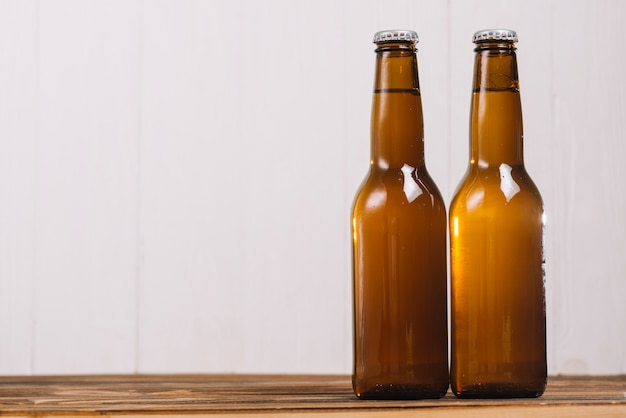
{"points": [[507, 184]]}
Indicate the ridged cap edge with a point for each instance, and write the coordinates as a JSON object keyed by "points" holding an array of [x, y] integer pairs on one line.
{"points": [[495, 35], [395, 36]]}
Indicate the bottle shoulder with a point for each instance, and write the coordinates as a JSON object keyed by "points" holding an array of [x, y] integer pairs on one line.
{"points": [[402, 187], [497, 186]]}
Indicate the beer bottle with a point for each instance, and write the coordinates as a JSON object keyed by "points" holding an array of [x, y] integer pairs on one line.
{"points": [[498, 324], [399, 243]]}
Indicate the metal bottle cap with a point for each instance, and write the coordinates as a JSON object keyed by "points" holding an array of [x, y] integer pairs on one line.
{"points": [[395, 36], [495, 35]]}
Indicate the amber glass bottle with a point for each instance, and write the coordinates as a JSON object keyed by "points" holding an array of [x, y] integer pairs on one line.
{"points": [[498, 335], [399, 243]]}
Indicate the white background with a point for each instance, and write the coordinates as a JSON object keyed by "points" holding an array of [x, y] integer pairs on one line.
{"points": [[176, 176]]}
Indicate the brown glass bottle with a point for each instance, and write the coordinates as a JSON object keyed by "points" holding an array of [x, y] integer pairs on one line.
{"points": [[498, 334], [399, 243]]}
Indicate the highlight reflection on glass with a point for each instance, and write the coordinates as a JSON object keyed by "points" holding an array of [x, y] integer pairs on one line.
{"points": [[411, 189], [508, 186]]}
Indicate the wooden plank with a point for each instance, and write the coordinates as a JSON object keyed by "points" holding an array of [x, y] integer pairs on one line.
{"points": [[86, 171], [191, 200], [295, 227], [178, 395], [588, 222], [18, 139], [243, 228]]}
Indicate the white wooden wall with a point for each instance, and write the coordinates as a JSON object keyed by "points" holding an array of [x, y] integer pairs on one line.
{"points": [[176, 176]]}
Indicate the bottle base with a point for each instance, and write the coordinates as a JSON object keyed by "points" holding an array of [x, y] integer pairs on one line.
{"points": [[498, 391], [401, 392]]}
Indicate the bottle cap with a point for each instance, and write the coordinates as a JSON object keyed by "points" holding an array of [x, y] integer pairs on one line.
{"points": [[495, 35], [395, 36]]}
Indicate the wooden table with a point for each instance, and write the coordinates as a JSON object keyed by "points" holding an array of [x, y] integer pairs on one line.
{"points": [[286, 395]]}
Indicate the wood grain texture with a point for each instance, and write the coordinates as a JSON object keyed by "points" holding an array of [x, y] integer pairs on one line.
{"points": [[140, 395]]}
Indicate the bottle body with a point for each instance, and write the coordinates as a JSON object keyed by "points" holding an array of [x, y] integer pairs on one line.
{"points": [[498, 335], [497, 292], [399, 249]]}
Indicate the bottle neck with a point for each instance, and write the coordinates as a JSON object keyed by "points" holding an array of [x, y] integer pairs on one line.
{"points": [[397, 127], [496, 133]]}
